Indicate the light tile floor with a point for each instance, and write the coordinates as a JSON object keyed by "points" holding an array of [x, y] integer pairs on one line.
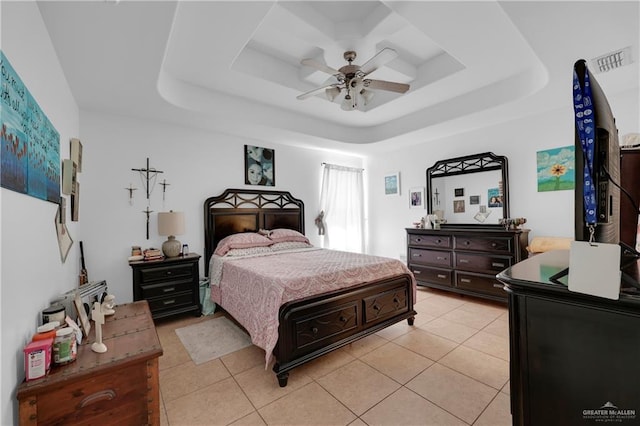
{"points": [[450, 368]]}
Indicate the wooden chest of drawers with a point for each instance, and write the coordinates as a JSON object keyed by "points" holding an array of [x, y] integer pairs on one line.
{"points": [[465, 260], [171, 286], [118, 387]]}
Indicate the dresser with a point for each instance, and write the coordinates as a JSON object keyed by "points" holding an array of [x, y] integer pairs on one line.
{"points": [[170, 285], [574, 357], [118, 387], [465, 259]]}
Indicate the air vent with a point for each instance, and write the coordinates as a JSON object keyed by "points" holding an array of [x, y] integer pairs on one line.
{"points": [[612, 60]]}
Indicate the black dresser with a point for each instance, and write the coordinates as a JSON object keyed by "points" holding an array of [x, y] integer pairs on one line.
{"points": [[574, 358], [171, 285], [465, 259]]}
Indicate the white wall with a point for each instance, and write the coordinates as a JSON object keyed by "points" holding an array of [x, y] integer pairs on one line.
{"points": [[547, 213], [197, 165], [32, 272]]}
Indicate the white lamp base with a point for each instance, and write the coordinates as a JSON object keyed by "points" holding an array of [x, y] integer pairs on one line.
{"points": [[171, 247]]}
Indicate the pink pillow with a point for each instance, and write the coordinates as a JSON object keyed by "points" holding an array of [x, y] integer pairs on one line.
{"points": [[242, 240], [282, 235]]}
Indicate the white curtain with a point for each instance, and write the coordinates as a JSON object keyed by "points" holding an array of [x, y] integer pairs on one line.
{"points": [[342, 201]]}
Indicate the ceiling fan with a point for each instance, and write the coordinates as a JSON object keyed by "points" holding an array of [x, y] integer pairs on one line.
{"points": [[352, 79]]}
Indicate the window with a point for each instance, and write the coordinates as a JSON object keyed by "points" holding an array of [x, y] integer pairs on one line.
{"points": [[342, 201]]}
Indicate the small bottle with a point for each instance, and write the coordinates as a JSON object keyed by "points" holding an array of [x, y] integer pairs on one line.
{"points": [[185, 249]]}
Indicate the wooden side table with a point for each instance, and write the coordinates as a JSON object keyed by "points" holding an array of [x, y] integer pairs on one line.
{"points": [[171, 286], [118, 387]]}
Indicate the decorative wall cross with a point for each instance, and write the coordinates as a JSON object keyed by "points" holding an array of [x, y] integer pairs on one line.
{"points": [[148, 174]]}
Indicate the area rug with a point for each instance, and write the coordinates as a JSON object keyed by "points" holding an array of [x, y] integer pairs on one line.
{"points": [[212, 339]]}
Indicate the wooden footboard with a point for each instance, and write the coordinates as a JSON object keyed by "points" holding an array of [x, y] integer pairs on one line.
{"points": [[315, 326]]}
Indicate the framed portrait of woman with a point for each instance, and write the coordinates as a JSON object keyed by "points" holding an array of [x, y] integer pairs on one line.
{"points": [[259, 166]]}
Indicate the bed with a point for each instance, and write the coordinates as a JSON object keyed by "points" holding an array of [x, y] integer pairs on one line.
{"points": [[294, 307]]}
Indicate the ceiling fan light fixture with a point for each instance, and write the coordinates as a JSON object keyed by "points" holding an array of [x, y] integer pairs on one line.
{"points": [[367, 95], [332, 93], [353, 80]]}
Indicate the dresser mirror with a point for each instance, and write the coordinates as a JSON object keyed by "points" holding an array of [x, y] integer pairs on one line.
{"points": [[472, 190]]}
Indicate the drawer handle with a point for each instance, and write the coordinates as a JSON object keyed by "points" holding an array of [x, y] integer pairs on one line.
{"points": [[343, 318], [314, 330], [494, 245], [376, 307], [169, 272], [396, 300], [169, 302], [438, 241], [418, 240], [465, 280], [463, 260], [441, 276], [498, 264], [168, 290], [416, 255], [466, 243], [441, 258], [105, 395], [417, 272]]}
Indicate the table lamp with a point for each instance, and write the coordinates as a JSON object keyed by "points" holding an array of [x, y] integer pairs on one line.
{"points": [[171, 224]]}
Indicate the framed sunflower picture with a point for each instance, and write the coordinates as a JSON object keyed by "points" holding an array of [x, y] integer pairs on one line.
{"points": [[556, 169]]}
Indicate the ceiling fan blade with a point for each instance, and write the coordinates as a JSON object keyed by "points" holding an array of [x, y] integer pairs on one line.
{"points": [[379, 59], [386, 85], [316, 91], [319, 66]]}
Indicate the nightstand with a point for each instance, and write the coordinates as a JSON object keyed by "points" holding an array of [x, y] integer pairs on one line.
{"points": [[170, 285], [119, 387]]}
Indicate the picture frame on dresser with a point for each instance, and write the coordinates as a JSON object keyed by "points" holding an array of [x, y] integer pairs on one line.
{"points": [[83, 317]]}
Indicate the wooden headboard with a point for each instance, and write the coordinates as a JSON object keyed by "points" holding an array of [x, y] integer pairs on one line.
{"points": [[247, 210]]}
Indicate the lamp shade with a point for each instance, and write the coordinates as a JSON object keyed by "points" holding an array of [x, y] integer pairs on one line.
{"points": [[171, 223]]}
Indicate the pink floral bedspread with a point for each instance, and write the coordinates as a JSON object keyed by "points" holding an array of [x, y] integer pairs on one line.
{"points": [[253, 288]]}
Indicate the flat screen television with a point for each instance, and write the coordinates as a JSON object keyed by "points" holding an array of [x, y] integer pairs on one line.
{"points": [[606, 168]]}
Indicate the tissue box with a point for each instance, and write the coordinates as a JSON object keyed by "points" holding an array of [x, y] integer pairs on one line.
{"points": [[37, 359]]}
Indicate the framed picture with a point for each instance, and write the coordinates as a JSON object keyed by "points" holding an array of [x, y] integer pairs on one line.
{"points": [[259, 166], [392, 184], [474, 199], [64, 239], [458, 206], [82, 315], [69, 176], [76, 153], [75, 203], [416, 198], [459, 192], [556, 169], [494, 197]]}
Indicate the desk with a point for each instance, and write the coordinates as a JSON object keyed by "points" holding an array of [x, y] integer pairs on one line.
{"points": [[118, 387], [571, 354]]}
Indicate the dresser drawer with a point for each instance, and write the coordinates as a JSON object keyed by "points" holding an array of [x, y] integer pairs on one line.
{"points": [[170, 302], [482, 263], [385, 305], [430, 257], [432, 275], [315, 330], [162, 289], [483, 283], [163, 273], [491, 244], [443, 241], [119, 397]]}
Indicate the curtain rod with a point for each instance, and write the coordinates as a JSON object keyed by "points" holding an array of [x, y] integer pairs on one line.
{"points": [[343, 167]]}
